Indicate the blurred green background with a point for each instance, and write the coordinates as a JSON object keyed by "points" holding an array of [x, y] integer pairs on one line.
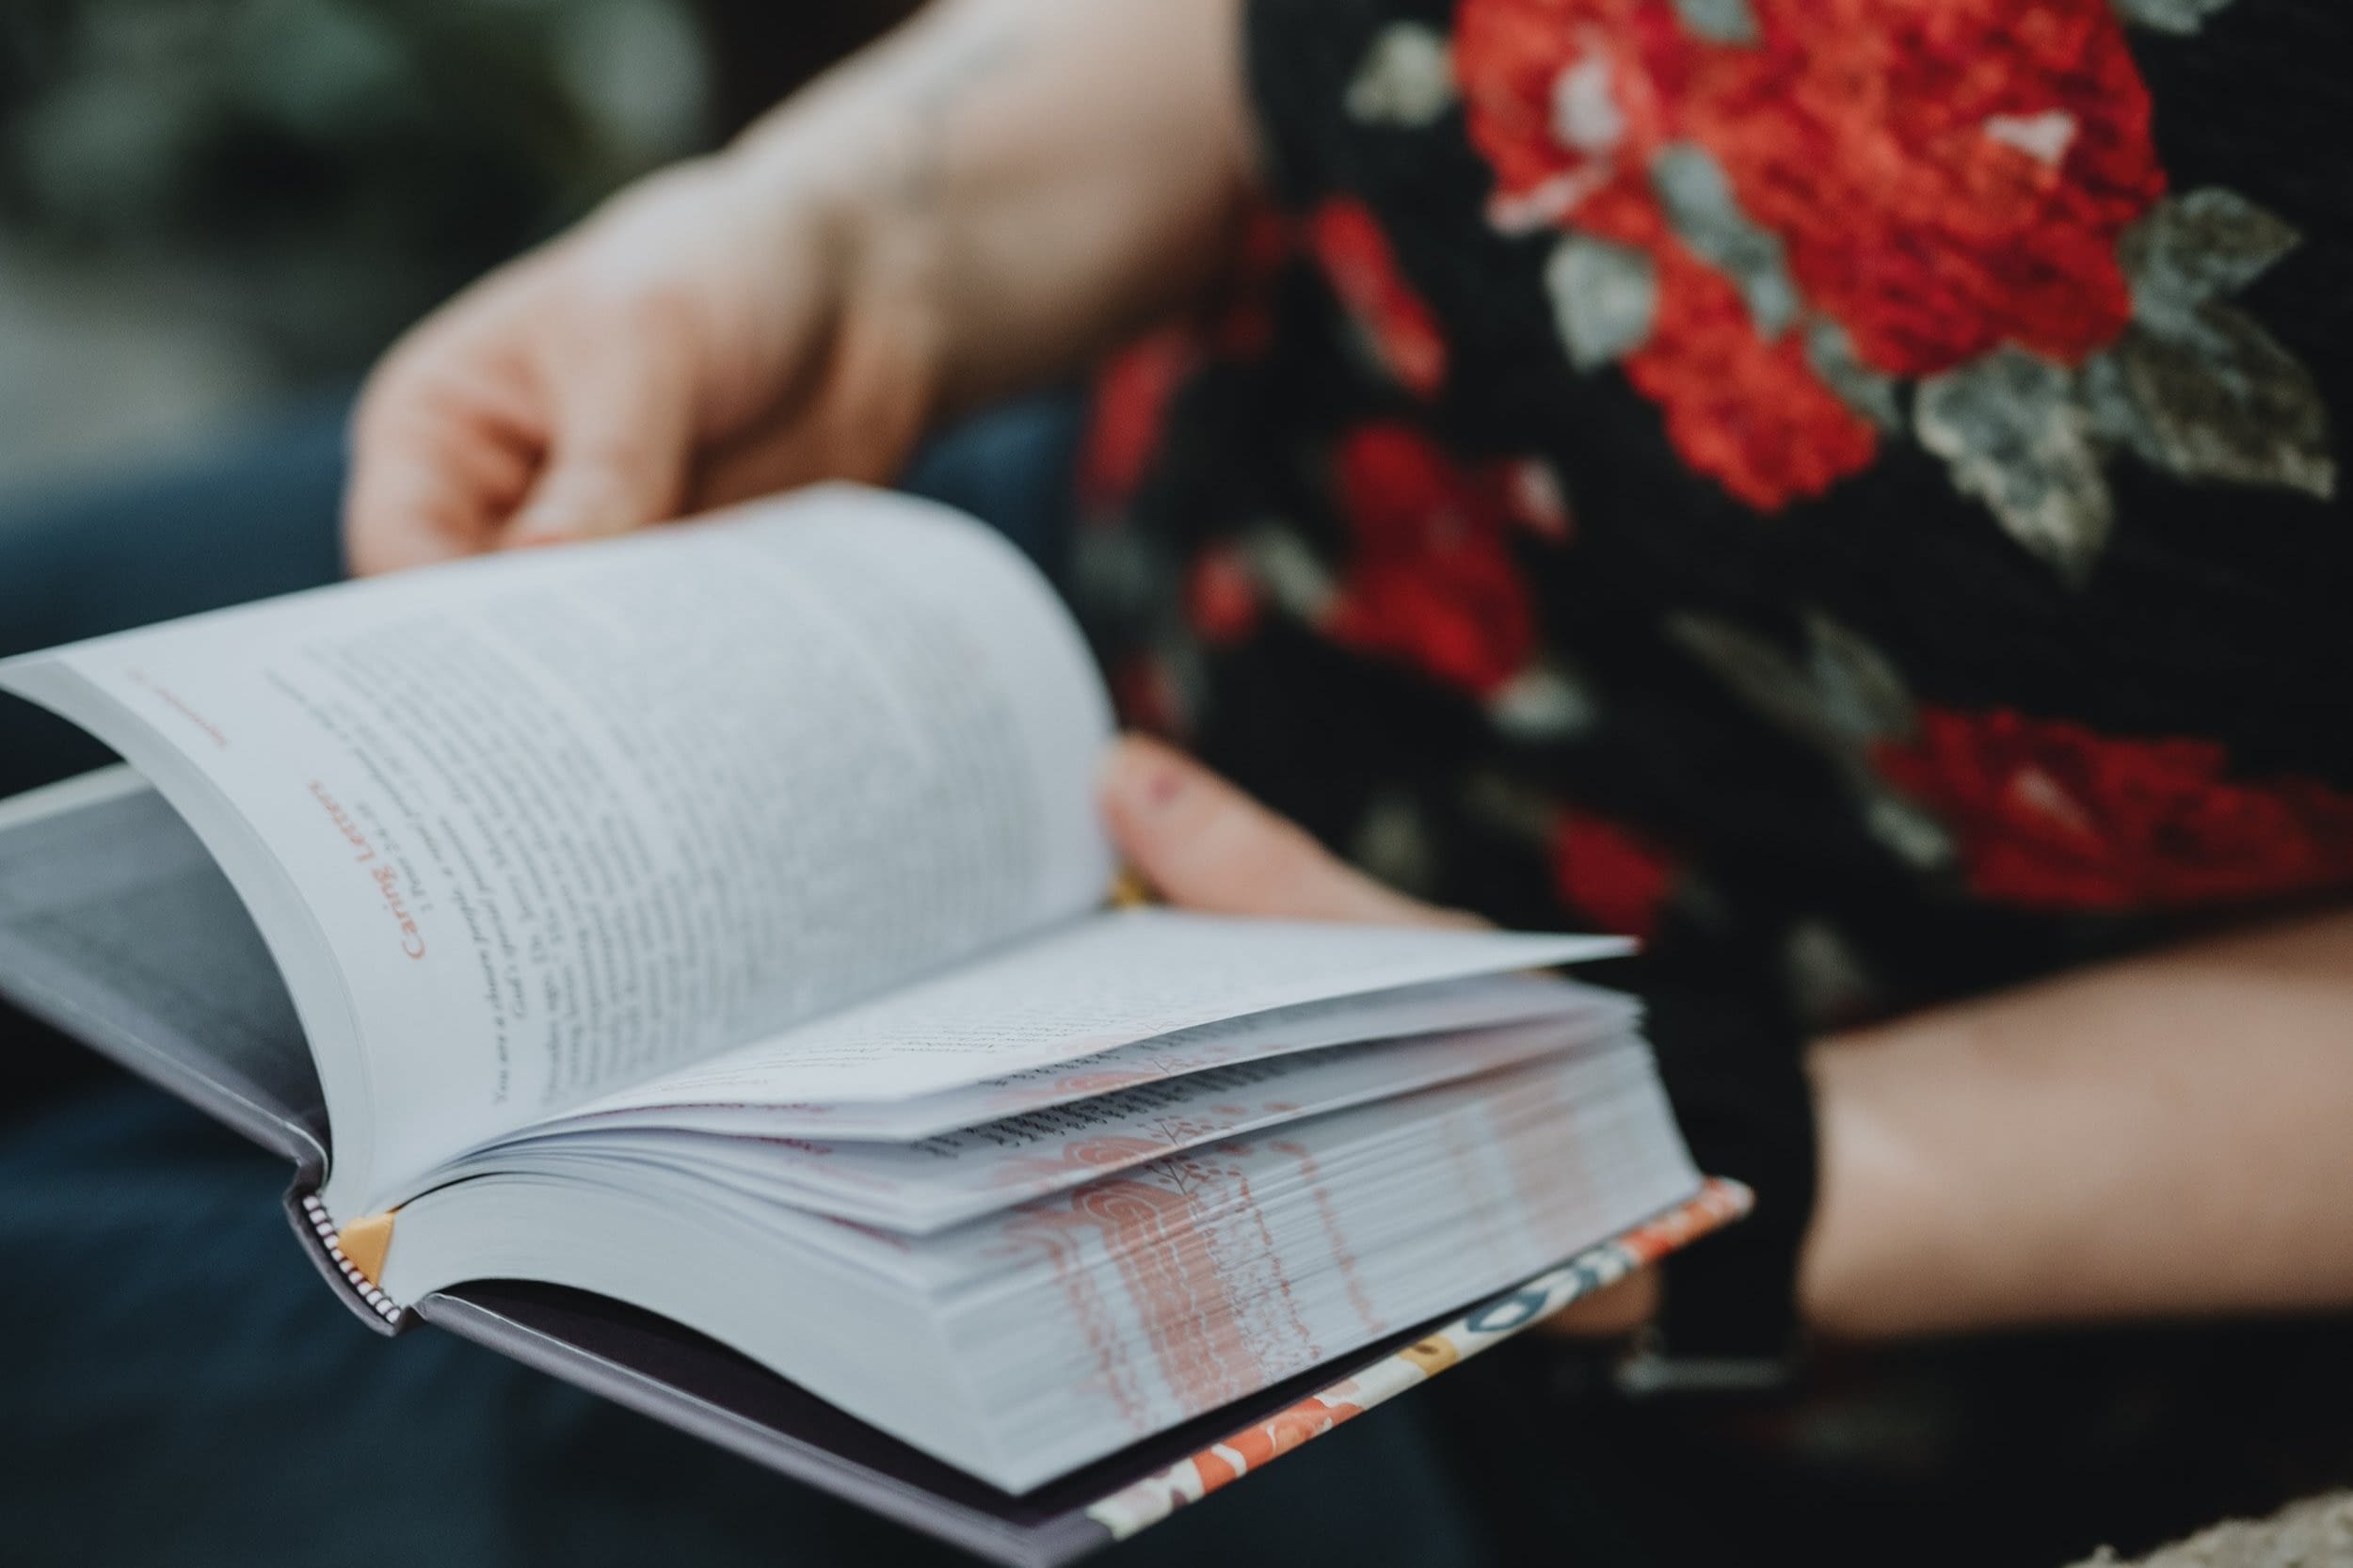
{"points": [[208, 207]]}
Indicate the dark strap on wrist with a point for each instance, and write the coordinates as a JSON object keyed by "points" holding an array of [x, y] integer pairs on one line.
{"points": [[1732, 1061]]}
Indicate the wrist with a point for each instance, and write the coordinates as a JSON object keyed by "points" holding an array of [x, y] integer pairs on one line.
{"points": [[821, 196], [849, 177], [1729, 1058], [1023, 183], [1867, 1185]]}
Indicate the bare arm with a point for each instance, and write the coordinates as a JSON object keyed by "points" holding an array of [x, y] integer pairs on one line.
{"points": [[977, 203], [1049, 173], [2169, 1135], [2165, 1136]]}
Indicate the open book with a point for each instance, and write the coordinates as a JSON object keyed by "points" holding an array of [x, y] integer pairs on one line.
{"points": [[715, 921]]}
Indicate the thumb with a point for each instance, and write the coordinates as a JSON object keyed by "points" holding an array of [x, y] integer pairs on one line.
{"points": [[1203, 845], [620, 403]]}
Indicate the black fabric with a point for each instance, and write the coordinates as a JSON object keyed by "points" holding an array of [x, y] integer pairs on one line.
{"points": [[1744, 1106], [2032, 672]]}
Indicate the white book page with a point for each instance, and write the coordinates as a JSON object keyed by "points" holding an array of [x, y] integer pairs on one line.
{"points": [[1103, 982], [932, 1183], [1174, 1288], [562, 820], [1478, 1003], [1057, 1330]]}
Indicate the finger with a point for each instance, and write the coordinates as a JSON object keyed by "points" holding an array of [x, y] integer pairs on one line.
{"points": [[859, 419], [445, 435], [406, 515], [436, 467], [621, 394], [801, 450], [1205, 845]]}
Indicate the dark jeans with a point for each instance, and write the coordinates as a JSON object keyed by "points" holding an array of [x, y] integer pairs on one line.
{"points": [[176, 1387]]}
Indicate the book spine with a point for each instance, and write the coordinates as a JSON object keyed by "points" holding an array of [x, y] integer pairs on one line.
{"points": [[324, 1245]]}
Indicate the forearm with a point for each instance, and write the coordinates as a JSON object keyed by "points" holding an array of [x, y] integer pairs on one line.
{"points": [[1029, 179], [2171, 1135]]}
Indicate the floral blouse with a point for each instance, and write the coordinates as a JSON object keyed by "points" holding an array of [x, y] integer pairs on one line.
{"points": [[1847, 490]]}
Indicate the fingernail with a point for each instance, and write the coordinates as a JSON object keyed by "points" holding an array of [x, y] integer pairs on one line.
{"points": [[1164, 783], [1145, 779]]}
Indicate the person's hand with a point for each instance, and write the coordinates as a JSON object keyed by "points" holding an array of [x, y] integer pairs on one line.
{"points": [[1201, 843], [714, 333], [982, 202]]}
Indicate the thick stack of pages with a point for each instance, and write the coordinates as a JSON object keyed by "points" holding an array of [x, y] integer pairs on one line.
{"points": [[1024, 1294], [716, 920]]}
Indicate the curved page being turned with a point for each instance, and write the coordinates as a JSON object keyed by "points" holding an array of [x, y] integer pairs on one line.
{"points": [[118, 927], [551, 823]]}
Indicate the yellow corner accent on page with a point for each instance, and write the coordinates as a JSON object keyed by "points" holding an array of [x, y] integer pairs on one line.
{"points": [[365, 1244]]}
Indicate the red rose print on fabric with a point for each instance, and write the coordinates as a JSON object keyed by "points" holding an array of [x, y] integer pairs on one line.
{"points": [[1136, 387], [1776, 213], [1936, 177], [2053, 815], [1222, 597], [1133, 392], [1147, 695], [1752, 414], [1430, 577], [1241, 322], [1610, 874], [1399, 330]]}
